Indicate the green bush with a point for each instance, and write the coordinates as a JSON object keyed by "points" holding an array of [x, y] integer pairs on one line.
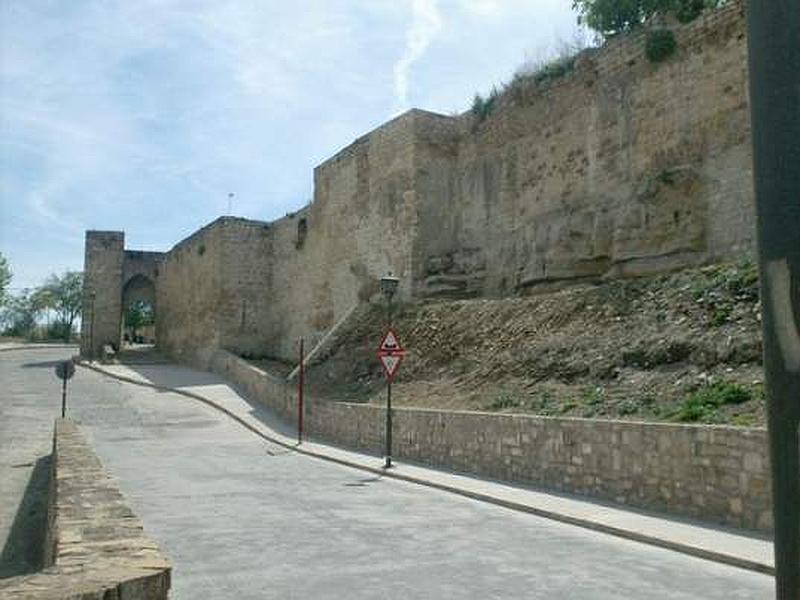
{"points": [[554, 69], [59, 330], [688, 10], [612, 17], [504, 401], [483, 107], [720, 316], [660, 45], [702, 405]]}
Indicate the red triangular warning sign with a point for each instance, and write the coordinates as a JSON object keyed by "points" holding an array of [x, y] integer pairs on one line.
{"points": [[390, 344], [391, 363], [390, 352]]}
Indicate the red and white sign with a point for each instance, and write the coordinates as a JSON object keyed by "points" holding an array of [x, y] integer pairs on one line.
{"points": [[390, 353]]}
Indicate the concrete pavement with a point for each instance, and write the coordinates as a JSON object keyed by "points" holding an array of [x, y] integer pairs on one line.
{"points": [[246, 518], [25, 442], [716, 543]]}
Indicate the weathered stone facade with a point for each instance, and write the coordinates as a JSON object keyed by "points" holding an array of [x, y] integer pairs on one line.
{"points": [[113, 278], [622, 167]]}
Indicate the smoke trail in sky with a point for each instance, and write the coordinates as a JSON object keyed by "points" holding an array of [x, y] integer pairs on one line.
{"points": [[425, 24]]}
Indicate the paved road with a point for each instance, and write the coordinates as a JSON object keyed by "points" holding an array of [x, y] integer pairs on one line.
{"points": [[241, 518]]}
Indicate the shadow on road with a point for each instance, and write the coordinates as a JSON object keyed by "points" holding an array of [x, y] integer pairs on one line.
{"points": [[23, 551], [203, 382], [45, 364]]}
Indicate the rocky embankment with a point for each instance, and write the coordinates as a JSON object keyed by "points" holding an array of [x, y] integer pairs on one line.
{"points": [[685, 346]]}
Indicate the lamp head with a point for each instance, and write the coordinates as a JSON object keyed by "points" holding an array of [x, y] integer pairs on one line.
{"points": [[389, 285]]}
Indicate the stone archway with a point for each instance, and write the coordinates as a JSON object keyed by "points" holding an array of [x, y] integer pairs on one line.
{"points": [[138, 311]]}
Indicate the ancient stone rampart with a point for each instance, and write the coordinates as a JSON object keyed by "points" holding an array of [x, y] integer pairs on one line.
{"points": [[622, 167], [619, 168], [114, 278]]}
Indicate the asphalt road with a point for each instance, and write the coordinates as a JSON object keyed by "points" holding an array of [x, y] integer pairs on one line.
{"points": [[242, 518]]}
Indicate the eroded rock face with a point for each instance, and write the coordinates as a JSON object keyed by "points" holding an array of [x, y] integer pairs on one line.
{"points": [[618, 168]]}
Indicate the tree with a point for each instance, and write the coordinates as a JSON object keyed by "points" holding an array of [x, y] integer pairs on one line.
{"points": [[5, 279], [611, 17], [65, 292], [137, 315], [19, 315]]}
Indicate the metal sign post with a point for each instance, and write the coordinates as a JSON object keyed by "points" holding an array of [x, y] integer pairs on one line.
{"points": [[774, 57], [300, 385], [64, 370], [390, 353]]}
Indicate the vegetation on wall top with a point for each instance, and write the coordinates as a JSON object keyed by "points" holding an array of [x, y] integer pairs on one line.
{"points": [[611, 17], [660, 45], [606, 18]]}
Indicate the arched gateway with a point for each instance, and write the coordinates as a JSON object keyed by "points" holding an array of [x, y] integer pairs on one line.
{"points": [[115, 282]]}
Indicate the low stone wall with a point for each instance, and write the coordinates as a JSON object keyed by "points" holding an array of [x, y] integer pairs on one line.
{"points": [[274, 392], [95, 546], [713, 473]]}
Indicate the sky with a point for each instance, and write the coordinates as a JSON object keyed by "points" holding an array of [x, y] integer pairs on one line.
{"points": [[144, 116]]}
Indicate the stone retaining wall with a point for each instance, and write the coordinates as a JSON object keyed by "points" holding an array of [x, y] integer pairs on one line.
{"points": [[717, 474], [95, 546]]}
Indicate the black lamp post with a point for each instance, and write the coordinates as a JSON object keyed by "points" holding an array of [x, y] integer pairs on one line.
{"points": [[774, 59], [92, 297], [388, 288]]}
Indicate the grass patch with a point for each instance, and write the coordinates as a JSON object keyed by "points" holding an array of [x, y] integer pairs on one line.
{"points": [[746, 420], [530, 73], [628, 407], [720, 289], [739, 280], [720, 316], [503, 402], [702, 404], [567, 406]]}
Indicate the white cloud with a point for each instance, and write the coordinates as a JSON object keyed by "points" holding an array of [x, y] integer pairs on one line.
{"points": [[425, 24]]}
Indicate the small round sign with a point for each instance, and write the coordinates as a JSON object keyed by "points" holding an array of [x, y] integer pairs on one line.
{"points": [[65, 369]]}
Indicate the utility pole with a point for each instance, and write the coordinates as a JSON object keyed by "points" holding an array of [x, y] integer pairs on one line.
{"points": [[773, 28]]}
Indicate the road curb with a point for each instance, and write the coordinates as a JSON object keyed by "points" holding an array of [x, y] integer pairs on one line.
{"points": [[636, 536], [39, 347]]}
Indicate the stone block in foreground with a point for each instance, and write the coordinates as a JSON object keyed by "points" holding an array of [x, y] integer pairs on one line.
{"points": [[95, 545]]}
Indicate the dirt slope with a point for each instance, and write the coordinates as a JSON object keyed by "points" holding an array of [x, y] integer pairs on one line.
{"points": [[679, 347]]}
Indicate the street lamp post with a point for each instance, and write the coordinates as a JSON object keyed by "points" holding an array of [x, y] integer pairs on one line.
{"points": [[92, 296], [389, 287], [774, 67]]}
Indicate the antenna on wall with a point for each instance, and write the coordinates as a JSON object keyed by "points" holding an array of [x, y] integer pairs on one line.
{"points": [[230, 203]]}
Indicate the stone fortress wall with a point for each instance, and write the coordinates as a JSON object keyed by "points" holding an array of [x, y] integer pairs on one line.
{"points": [[620, 168], [113, 279], [623, 167]]}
